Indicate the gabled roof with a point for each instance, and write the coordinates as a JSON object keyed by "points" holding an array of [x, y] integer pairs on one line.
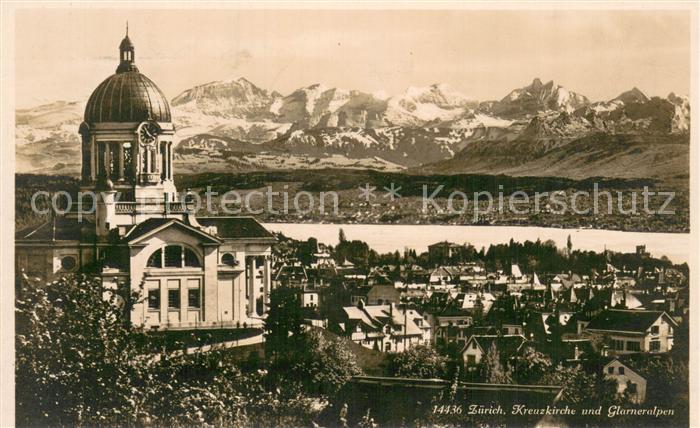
{"points": [[154, 225], [237, 228], [633, 321], [55, 229], [507, 345], [374, 317], [629, 363], [291, 272]]}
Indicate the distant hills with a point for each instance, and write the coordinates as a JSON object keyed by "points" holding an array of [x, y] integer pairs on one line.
{"points": [[541, 129]]}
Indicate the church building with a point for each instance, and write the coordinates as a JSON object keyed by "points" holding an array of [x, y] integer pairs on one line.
{"points": [[191, 271]]}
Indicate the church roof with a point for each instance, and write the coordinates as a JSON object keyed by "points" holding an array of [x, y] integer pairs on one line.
{"points": [[127, 97], [153, 225], [55, 229], [236, 227], [126, 43]]}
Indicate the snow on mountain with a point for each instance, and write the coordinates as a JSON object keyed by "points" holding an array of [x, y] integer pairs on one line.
{"points": [[229, 99], [418, 105], [243, 126], [46, 137], [320, 106], [538, 97]]}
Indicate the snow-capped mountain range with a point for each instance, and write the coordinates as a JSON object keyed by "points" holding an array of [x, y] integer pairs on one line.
{"points": [[234, 125]]}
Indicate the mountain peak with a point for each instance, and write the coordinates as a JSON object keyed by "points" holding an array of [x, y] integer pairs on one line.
{"points": [[634, 95], [538, 97], [441, 94], [244, 81]]}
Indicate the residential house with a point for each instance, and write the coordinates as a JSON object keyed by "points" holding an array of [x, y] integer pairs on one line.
{"points": [[444, 275], [445, 252], [382, 294], [387, 328], [476, 348], [626, 331], [629, 380]]}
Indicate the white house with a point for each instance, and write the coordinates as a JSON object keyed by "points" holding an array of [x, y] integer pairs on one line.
{"points": [[627, 380]]}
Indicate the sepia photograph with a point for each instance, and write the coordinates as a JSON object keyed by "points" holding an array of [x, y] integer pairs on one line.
{"points": [[336, 215]]}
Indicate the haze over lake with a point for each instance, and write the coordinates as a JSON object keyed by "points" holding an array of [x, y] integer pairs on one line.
{"points": [[389, 238]]}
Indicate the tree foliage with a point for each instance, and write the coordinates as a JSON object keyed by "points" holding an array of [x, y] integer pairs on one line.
{"points": [[79, 362], [492, 370], [418, 362], [580, 387], [530, 366], [321, 366], [284, 332], [76, 358]]}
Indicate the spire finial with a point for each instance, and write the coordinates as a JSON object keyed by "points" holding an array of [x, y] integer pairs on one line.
{"points": [[127, 27]]}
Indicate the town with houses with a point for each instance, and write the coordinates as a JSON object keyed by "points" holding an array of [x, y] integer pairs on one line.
{"points": [[465, 310]]}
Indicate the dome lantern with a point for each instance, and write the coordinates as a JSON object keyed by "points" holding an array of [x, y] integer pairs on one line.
{"points": [[126, 54]]}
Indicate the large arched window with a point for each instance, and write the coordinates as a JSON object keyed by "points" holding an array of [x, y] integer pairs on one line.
{"points": [[173, 256]]}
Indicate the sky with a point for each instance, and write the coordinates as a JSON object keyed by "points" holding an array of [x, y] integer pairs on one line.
{"points": [[63, 54]]}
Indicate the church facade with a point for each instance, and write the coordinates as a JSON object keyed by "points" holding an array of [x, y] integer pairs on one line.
{"points": [[190, 271]]}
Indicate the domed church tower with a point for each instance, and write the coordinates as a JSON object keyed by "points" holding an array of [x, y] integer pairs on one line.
{"points": [[193, 272], [127, 141]]}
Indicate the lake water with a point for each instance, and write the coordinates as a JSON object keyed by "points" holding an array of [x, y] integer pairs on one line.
{"points": [[389, 238]]}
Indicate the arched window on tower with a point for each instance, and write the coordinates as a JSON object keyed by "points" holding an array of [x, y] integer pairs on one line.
{"points": [[163, 160], [144, 161], [152, 159], [101, 167], [128, 160], [114, 166]]}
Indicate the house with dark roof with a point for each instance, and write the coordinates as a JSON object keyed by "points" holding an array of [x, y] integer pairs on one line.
{"points": [[628, 331], [444, 252], [387, 328], [476, 348], [140, 234]]}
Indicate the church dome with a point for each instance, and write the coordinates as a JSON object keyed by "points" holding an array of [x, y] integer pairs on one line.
{"points": [[128, 95]]}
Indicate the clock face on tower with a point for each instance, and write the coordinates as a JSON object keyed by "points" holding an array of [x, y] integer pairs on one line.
{"points": [[147, 133]]}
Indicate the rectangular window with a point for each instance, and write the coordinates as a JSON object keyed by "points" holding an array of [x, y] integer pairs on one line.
{"points": [[174, 299], [471, 360], [633, 346], [154, 299], [632, 388], [193, 300], [618, 345], [654, 346], [611, 370], [620, 370], [655, 330]]}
